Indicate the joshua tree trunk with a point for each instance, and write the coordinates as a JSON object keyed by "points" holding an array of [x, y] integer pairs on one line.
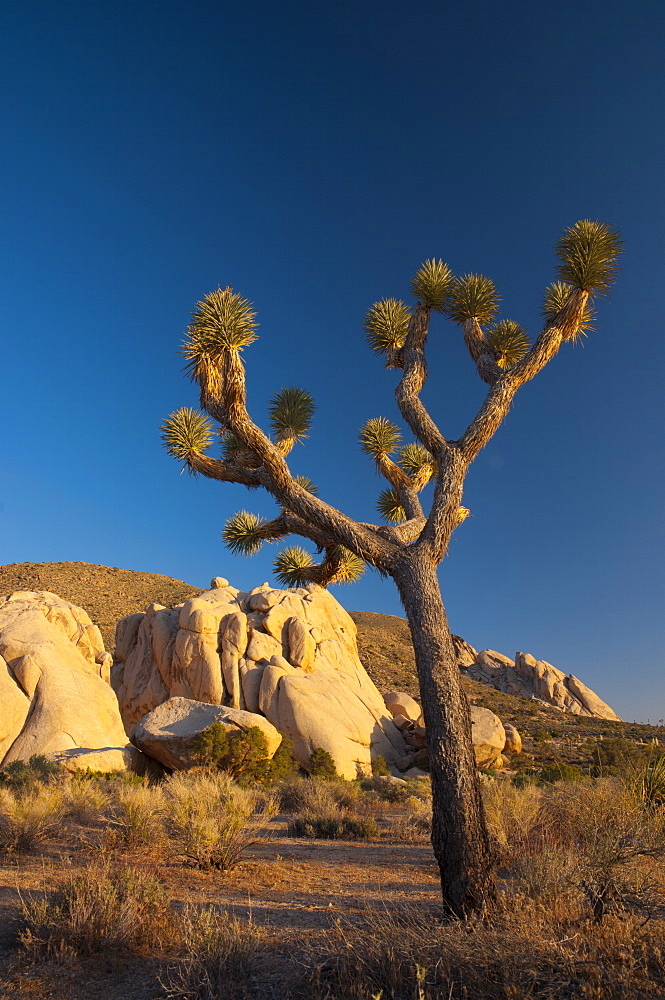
{"points": [[459, 835]]}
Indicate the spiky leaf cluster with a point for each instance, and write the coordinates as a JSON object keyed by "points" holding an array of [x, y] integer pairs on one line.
{"points": [[473, 296], [307, 484], [413, 457], [242, 533], [589, 254], [509, 341], [232, 448], [222, 321], [291, 411], [390, 507], [432, 284], [386, 325], [555, 298], [186, 432], [379, 436], [289, 566], [352, 568]]}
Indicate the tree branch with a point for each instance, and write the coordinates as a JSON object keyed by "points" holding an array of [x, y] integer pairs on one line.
{"points": [[223, 396], [500, 396], [408, 390], [481, 352], [214, 468]]}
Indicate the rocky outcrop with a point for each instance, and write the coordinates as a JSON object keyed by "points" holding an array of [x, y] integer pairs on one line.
{"points": [[287, 655], [487, 732], [168, 733], [54, 692], [527, 677]]}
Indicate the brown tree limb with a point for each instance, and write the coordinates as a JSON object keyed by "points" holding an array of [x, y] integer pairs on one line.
{"points": [[408, 390]]}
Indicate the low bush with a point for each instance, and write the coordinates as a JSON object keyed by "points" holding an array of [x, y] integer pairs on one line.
{"points": [[321, 764], [29, 817], [561, 772], [219, 950], [334, 826], [243, 754], [139, 815], [38, 770], [213, 820], [416, 823], [97, 910], [307, 795]]}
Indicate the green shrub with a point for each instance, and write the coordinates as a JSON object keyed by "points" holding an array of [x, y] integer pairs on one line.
{"points": [[561, 772], [243, 754], [615, 756], [379, 766], [334, 827], [39, 769], [321, 764]]}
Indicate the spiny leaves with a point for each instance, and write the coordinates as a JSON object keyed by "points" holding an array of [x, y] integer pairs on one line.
{"points": [[379, 436], [352, 568], [185, 432], [390, 507], [386, 325], [291, 411], [555, 298], [589, 253], [222, 321], [307, 484], [473, 296], [509, 340], [242, 533], [412, 458], [289, 566], [432, 284]]}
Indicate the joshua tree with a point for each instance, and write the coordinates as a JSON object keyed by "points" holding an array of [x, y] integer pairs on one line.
{"points": [[413, 543]]}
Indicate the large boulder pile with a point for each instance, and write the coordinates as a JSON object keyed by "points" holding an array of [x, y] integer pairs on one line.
{"points": [[287, 655], [490, 738], [55, 696], [527, 677]]}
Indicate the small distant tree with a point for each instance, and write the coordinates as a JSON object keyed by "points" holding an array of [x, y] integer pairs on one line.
{"points": [[413, 542]]}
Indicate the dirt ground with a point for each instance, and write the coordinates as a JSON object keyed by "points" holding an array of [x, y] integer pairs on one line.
{"points": [[294, 887]]}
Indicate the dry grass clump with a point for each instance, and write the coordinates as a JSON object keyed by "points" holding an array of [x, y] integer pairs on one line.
{"points": [[307, 795], [29, 816], [212, 820], [512, 812], [415, 826], [97, 910], [139, 812], [527, 955], [219, 950], [85, 802]]}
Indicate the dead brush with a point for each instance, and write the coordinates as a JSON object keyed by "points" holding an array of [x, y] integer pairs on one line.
{"points": [[523, 954], [219, 952], [212, 820], [317, 795], [97, 910], [84, 802], [513, 813], [139, 812], [415, 825], [29, 817]]}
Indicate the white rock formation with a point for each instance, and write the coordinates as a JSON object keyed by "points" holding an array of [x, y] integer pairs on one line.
{"points": [[288, 655], [167, 734], [54, 690], [527, 677]]}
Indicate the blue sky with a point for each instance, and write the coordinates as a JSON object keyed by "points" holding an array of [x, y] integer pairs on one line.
{"points": [[312, 156]]}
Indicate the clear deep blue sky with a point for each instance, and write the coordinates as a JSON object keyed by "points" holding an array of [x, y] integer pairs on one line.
{"points": [[312, 156]]}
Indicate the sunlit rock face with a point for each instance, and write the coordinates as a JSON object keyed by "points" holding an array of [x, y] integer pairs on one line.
{"points": [[527, 677], [288, 655], [55, 696]]}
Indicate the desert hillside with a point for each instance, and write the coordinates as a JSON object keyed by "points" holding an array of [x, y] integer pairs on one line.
{"points": [[108, 593]]}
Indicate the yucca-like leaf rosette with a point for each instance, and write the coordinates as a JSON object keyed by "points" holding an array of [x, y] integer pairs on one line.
{"points": [[291, 411], [432, 284], [509, 341], [555, 298], [473, 296], [290, 564], [307, 484], [379, 436], [351, 569], [589, 253], [413, 458], [223, 321], [242, 533], [386, 325], [390, 507], [186, 432]]}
